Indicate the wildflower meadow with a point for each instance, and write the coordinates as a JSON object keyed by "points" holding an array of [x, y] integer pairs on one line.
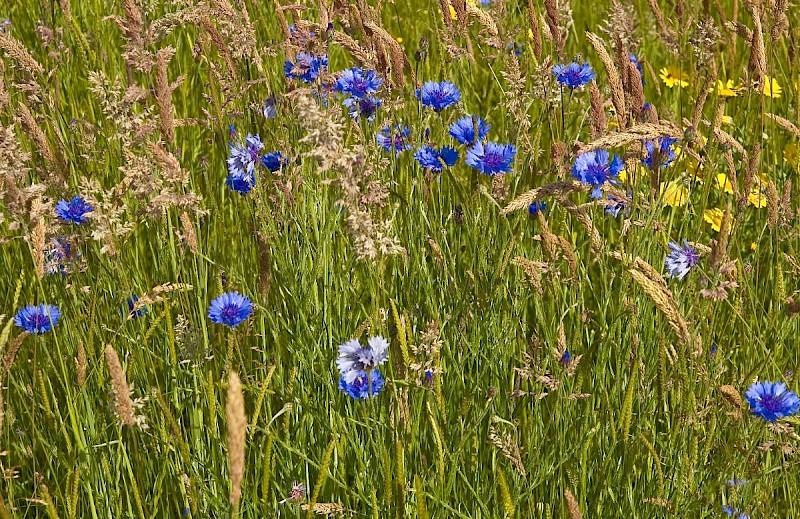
{"points": [[399, 259]]}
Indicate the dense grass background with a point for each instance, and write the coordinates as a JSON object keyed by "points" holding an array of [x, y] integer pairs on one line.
{"points": [[650, 435]]}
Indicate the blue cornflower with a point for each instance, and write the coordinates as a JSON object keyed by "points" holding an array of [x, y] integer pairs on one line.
{"points": [[664, 151], [566, 357], [244, 157], [37, 319], [735, 482], [73, 211], [305, 67], [573, 75], [270, 107], [358, 83], [394, 141], [359, 388], [241, 184], [680, 259], [491, 158], [595, 168], [436, 160], [772, 400], [536, 207], [439, 95], [616, 206], [365, 107], [131, 304], [274, 161], [733, 512], [635, 61], [463, 130], [354, 359], [231, 308], [59, 255]]}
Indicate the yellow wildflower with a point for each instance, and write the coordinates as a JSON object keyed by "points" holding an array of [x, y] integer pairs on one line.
{"points": [[757, 197], [399, 39], [675, 193], [673, 76], [771, 87], [753, 246], [453, 13], [530, 34], [728, 89], [724, 184], [714, 217], [727, 119]]}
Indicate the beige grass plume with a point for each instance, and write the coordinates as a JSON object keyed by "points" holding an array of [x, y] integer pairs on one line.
{"points": [[237, 429], [122, 398]]}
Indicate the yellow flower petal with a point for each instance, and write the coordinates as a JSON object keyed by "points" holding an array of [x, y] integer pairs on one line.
{"points": [[675, 193], [724, 184], [674, 77], [771, 87], [714, 217], [453, 13]]}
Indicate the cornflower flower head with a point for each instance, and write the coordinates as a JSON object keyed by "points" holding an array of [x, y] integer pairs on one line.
{"points": [[681, 259], [37, 319], [536, 207], [270, 107], [436, 160], [439, 95], [358, 83], [73, 211], [355, 360], [659, 150], [132, 303], [242, 163], [365, 107], [58, 255], [574, 75], [463, 130], [735, 513], [230, 309], [394, 141], [615, 206], [491, 158], [772, 400], [361, 388], [297, 494], [306, 67], [241, 184], [274, 161], [595, 168]]}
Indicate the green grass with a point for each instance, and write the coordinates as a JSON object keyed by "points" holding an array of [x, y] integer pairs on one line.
{"points": [[651, 435]]}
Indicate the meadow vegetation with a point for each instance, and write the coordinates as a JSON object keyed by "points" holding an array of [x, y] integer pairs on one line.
{"points": [[410, 258]]}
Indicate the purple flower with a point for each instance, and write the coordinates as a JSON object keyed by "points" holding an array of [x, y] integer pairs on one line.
{"points": [[270, 107], [536, 207], [394, 141], [772, 400], [358, 83], [635, 61], [37, 319], [230, 309], [305, 67], [354, 359], [463, 130], [365, 107], [595, 168], [439, 95], [573, 75], [491, 158], [359, 388], [733, 512], [274, 161], [436, 160], [680, 259], [661, 148], [73, 211]]}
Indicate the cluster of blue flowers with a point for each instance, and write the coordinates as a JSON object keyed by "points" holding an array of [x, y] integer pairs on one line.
{"points": [[243, 160], [306, 67], [359, 85], [358, 365]]}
